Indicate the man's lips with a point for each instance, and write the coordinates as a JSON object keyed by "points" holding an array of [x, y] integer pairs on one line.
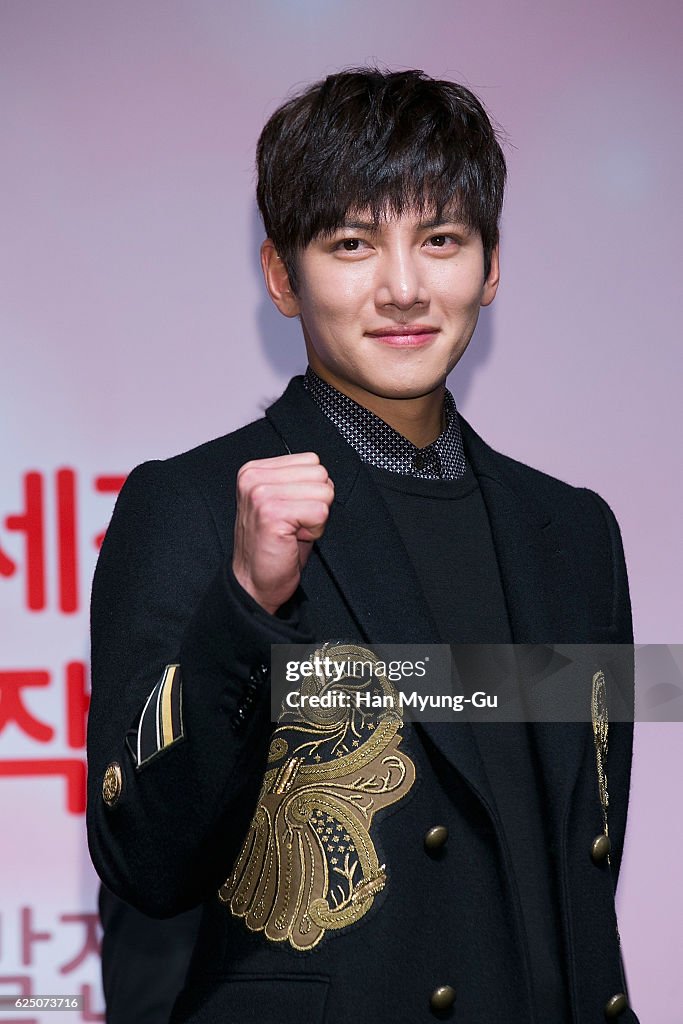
{"points": [[404, 334]]}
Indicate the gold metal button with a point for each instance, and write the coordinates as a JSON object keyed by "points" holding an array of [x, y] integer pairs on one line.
{"points": [[112, 784], [442, 998], [600, 848], [435, 837], [616, 1006]]}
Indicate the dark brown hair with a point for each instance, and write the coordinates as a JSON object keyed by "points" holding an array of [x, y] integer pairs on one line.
{"points": [[382, 142]]}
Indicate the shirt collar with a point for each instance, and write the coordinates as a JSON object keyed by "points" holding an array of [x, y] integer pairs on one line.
{"points": [[380, 445]]}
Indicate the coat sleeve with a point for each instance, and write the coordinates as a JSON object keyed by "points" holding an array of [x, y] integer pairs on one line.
{"points": [[184, 750], [620, 741]]}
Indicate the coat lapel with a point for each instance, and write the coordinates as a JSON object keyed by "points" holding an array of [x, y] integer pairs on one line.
{"points": [[544, 603]]}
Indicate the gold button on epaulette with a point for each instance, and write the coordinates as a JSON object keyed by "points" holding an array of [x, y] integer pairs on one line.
{"points": [[112, 784], [442, 998], [600, 848], [616, 1006]]}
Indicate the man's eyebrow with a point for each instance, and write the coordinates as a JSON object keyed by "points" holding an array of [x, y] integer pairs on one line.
{"points": [[444, 221], [360, 225], [423, 225]]}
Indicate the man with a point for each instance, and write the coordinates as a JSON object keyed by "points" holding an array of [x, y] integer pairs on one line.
{"points": [[476, 882]]}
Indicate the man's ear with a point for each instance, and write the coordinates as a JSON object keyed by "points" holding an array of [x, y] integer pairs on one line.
{"points": [[277, 280], [491, 282]]}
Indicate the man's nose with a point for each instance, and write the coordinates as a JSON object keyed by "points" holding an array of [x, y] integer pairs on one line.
{"points": [[399, 283]]}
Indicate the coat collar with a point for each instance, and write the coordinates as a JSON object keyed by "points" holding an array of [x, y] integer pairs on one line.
{"points": [[543, 601]]}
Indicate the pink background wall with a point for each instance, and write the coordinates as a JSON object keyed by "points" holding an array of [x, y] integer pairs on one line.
{"points": [[129, 286]]}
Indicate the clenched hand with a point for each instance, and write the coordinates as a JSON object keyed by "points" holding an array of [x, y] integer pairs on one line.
{"points": [[282, 508]]}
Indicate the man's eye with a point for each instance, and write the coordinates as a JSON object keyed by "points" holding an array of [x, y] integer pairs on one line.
{"points": [[440, 241], [350, 244]]}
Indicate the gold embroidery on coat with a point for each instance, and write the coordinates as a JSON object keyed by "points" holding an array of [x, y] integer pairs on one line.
{"points": [[308, 862], [600, 730]]}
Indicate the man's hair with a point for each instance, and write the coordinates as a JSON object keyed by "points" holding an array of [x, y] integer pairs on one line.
{"points": [[383, 142]]}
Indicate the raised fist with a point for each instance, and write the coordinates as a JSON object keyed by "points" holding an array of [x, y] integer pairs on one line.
{"points": [[282, 507]]}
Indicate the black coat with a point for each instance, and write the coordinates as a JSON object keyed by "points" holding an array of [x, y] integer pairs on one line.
{"points": [[162, 594]]}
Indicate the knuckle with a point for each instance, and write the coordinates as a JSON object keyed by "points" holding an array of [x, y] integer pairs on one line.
{"points": [[265, 512], [244, 476]]}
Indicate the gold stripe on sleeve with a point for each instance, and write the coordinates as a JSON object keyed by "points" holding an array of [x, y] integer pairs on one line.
{"points": [[166, 716]]}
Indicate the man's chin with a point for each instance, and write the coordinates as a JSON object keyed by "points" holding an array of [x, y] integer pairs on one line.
{"points": [[384, 387], [405, 391]]}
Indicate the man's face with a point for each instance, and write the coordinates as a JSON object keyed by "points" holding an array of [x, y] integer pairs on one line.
{"points": [[388, 311]]}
